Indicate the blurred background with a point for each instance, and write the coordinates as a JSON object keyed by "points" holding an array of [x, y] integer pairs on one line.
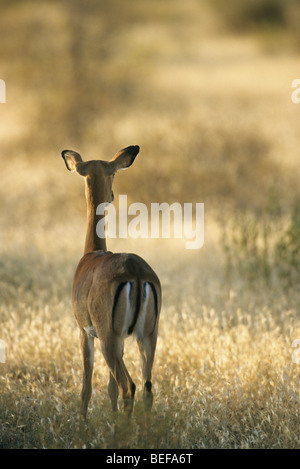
{"points": [[204, 87]]}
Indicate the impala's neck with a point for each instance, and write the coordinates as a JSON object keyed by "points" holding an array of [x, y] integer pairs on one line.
{"points": [[93, 199]]}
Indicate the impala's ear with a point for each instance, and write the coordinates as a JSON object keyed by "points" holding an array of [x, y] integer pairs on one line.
{"points": [[124, 158], [71, 158]]}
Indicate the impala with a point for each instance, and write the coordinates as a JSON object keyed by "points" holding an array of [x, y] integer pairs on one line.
{"points": [[113, 295]]}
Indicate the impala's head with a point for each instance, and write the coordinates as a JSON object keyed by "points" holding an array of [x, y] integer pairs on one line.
{"points": [[99, 174]]}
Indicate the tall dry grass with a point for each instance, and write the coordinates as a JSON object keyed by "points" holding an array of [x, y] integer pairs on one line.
{"points": [[223, 376], [215, 122]]}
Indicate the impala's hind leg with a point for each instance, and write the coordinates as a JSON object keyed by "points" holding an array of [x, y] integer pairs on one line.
{"points": [[113, 392], [112, 352], [147, 350], [87, 349], [146, 333]]}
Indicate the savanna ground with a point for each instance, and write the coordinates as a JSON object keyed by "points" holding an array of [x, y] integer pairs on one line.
{"points": [[206, 93]]}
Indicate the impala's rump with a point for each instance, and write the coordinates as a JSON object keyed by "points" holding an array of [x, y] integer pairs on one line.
{"points": [[135, 309], [129, 286]]}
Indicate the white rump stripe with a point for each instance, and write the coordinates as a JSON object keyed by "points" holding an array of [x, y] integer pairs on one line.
{"points": [[128, 315], [139, 328]]}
